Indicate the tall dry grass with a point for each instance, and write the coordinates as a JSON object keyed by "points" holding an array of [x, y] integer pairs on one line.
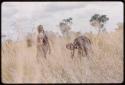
{"points": [[105, 65]]}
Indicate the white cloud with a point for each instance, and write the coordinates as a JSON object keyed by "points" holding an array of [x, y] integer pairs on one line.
{"points": [[29, 14]]}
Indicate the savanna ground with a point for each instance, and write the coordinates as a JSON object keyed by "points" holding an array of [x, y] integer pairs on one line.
{"points": [[105, 65]]}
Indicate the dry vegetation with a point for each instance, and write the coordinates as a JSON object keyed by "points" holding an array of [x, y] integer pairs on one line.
{"points": [[19, 64]]}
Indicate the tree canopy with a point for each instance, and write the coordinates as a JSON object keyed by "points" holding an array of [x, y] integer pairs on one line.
{"points": [[98, 20]]}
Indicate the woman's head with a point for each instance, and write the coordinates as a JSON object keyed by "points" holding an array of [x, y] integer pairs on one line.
{"points": [[40, 29]]}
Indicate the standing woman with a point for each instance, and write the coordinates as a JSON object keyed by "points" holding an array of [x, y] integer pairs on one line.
{"points": [[43, 45]]}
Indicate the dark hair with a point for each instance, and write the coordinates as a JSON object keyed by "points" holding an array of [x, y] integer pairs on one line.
{"points": [[40, 28]]}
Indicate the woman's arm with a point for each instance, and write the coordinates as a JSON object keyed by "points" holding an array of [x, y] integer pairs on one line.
{"points": [[49, 47]]}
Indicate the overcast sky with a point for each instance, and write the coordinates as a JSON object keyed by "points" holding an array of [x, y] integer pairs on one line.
{"points": [[27, 15]]}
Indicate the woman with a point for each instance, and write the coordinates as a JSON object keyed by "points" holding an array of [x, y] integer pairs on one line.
{"points": [[42, 42]]}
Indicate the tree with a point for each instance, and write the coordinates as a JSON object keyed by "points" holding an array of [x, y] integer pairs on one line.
{"points": [[65, 26], [120, 25], [68, 20], [98, 21]]}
